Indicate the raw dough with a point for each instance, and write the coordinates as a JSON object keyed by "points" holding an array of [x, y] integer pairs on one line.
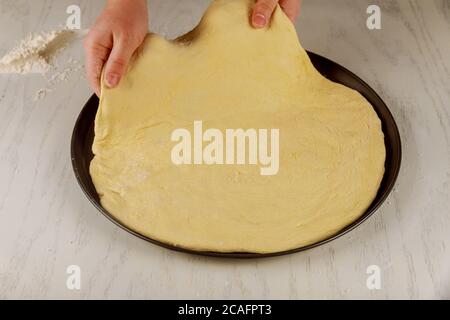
{"points": [[229, 75]]}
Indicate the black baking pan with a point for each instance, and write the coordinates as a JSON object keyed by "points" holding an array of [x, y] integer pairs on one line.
{"points": [[83, 136]]}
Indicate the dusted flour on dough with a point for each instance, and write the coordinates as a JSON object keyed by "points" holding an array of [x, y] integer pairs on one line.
{"points": [[229, 75]]}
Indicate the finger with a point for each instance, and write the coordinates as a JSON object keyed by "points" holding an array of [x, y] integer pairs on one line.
{"points": [[96, 56], [118, 60], [291, 8], [262, 12]]}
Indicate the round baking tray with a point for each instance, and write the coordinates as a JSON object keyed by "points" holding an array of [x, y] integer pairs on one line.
{"points": [[83, 136]]}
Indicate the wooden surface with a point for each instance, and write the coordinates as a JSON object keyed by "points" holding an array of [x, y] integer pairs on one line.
{"points": [[47, 224]]}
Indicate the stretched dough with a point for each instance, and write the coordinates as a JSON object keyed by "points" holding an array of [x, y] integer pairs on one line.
{"points": [[229, 75]]}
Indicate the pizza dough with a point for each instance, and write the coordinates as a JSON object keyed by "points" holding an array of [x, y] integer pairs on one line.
{"points": [[229, 75]]}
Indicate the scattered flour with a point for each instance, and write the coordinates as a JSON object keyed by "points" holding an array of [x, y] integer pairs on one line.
{"points": [[74, 66], [37, 54], [41, 93]]}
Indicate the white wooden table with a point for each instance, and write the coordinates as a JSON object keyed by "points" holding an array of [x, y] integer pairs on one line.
{"points": [[47, 224]]}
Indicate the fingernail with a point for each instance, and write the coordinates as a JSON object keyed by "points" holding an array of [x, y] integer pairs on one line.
{"points": [[259, 20], [112, 80]]}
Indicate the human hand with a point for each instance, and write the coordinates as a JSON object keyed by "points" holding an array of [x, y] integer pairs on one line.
{"points": [[263, 10], [111, 42]]}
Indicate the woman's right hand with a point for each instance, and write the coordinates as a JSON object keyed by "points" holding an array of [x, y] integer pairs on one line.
{"points": [[111, 42]]}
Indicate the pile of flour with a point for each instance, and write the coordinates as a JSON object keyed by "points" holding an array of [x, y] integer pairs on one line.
{"points": [[37, 53]]}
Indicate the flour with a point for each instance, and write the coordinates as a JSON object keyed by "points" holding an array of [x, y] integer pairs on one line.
{"points": [[58, 76], [35, 53], [40, 53], [41, 93], [73, 66]]}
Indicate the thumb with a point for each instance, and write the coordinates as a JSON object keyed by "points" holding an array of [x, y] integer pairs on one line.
{"points": [[117, 63], [262, 12]]}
